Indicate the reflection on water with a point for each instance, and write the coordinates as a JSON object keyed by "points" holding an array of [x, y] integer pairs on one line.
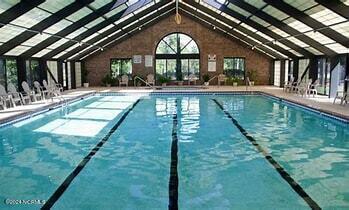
{"points": [[314, 150]]}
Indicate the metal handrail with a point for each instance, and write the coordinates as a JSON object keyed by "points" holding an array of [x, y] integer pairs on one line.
{"points": [[137, 77], [212, 79]]}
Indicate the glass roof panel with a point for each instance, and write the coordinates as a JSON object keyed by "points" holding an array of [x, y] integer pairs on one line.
{"points": [[90, 37], [99, 3], [79, 14], [324, 15], [106, 28], [346, 2], [342, 28], [72, 47], [295, 52], [319, 37], [313, 50], [76, 33], [60, 54], [297, 25], [278, 31], [264, 36], [282, 45], [248, 27], [260, 21], [7, 4], [301, 4], [338, 48], [124, 18], [116, 10], [297, 42], [42, 53], [275, 12], [31, 18], [58, 43], [58, 26], [17, 50], [95, 22], [258, 4], [8, 32], [230, 17], [36, 39], [238, 10], [54, 5]]}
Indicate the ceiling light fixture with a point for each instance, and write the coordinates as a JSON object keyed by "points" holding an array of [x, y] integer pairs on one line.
{"points": [[214, 27], [178, 18]]}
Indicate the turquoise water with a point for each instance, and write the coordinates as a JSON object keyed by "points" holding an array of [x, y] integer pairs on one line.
{"points": [[218, 168]]}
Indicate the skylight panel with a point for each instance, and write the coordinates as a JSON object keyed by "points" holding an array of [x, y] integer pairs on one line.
{"points": [[58, 26], [301, 4], [230, 18], [99, 3], [295, 52], [212, 7], [116, 10], [8, 32], [324, 15], [313, 50], [73, 47], [299, 26], [257, 4], [32, 17], [297, 42], [90, 37], [79, 14], [59, 54], [275, 12], [264, 36], [17, 50], [144, 7], [238, 10], [76, 33], [106, 28], [272, 49], [42, 53], [130, 2], [338, 48], [36, 39], [346, 2], [58, 43], [278, 31], [319, 37], [95, 22], [282, 45], [342, 28], [260, 21], [54, 5], [5, 5], [248, 27], [124, 18]]}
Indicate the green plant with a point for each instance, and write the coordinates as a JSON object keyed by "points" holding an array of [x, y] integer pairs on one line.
{"points": [[206, 77], [163, 79], [107, 80]]}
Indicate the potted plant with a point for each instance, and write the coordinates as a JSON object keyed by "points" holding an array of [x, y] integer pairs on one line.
{"points": [[235, 81], [84, 74], [252, 76], [107, 80], [163, 80], [206, 78], [180, 79]]}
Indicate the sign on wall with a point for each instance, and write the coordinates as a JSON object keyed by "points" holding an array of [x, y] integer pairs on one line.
{"points": [[211, 63], [148, 60], [137, 59]]}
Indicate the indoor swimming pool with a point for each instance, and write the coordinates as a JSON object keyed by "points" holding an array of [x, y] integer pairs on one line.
{"points": [[169, 151]]}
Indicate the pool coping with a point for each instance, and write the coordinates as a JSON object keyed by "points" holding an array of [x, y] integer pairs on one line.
{"points": [[324, 113]]}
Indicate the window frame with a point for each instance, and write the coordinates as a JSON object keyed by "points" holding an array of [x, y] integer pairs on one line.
{"points": [[235, 57], [120, 59]]}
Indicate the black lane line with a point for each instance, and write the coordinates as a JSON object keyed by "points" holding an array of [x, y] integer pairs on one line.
{"points": [[65, 184], [286, 176], [173, 183]]}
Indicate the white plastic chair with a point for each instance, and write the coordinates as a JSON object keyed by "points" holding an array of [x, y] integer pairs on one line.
{"points": [[192, 78], [16, 96], [150, 79], [40, 90], [123, 80], [221, 78], [4, 97]]}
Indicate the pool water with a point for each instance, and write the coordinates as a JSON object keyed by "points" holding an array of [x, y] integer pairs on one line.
{"points": [[164, 151]]}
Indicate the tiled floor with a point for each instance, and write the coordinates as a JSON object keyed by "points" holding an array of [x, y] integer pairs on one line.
{"points": [[322, 103]]}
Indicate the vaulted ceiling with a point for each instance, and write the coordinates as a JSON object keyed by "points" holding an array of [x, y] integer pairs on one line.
{"points": [[73, 30]]}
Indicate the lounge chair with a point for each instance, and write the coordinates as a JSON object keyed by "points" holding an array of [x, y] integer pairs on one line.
{"points": [[312, 89], [288, 86], [192, 78], [52, 90], [221, 78], [28, 92], [123, 80], [303, 88], [41, 90], [4, 97], [150, 79], [343, 96], [16, 96]]}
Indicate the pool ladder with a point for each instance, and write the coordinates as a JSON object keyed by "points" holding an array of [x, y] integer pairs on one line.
{"points": [[142, 80]]}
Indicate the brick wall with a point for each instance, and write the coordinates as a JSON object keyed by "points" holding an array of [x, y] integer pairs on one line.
{"points": [[210, 42]]}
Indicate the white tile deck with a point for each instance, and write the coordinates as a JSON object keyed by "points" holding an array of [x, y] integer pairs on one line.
{"points": [[322, 103]]}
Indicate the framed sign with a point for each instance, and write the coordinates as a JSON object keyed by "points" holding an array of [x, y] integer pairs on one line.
{"points": [[148, 60], [137, 59], [211, 63]]}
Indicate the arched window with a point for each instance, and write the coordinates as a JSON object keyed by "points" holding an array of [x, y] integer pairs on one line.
{"points": [[177, 56]]}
